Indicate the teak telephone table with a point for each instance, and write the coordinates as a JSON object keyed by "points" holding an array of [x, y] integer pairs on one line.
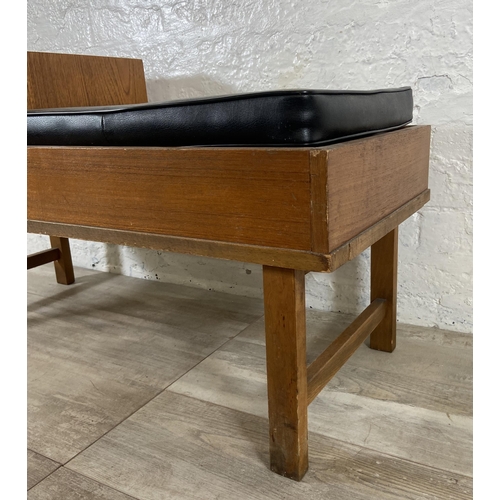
{"points": [[292, 210]]}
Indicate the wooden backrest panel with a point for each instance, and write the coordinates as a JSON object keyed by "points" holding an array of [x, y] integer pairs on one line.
{"points": [[67, 80]]}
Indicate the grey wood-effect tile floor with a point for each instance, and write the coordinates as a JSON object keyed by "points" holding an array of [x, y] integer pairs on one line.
{"points": [[146, 390]]}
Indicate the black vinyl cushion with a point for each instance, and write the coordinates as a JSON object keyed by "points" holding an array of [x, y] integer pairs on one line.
{"points": [[277, 118]]}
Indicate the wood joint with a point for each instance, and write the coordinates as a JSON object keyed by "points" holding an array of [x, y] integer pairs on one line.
{"points": [[43, 257], [327, 364]]}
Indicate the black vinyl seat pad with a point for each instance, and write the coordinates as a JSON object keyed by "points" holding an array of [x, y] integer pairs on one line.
{"points": [[276, 118]]}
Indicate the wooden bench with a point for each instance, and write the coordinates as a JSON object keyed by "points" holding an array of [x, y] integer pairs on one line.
{"points": [[292, 210]]}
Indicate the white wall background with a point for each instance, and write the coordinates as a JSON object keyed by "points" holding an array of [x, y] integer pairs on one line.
{"points": [[197, 48]]}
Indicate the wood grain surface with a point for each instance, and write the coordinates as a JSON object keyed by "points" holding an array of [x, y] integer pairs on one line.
{"points": [[384, 285], [319, 200], [329, 362], [67, 80], [370, 178], [302, 199], [348, 251], [256, 196], [284, 305], [277, 257]]}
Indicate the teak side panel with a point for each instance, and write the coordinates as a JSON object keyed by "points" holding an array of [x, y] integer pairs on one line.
{"points": [[256, 196], [268, 256], [381, 228], [66, 80], [370, 178]]}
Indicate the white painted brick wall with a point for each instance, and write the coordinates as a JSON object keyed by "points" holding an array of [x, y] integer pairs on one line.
{"points": [[196, 48]]}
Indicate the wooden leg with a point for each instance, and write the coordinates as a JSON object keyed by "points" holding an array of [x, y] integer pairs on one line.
{"points": [[284, 306], [384, 285], [64, 265]]}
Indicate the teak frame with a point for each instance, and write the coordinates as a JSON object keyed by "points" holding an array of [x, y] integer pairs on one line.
{"points": [[293, 210]]}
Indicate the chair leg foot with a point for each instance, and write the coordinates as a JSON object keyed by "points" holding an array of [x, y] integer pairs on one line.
{"points": [[63, 266]]}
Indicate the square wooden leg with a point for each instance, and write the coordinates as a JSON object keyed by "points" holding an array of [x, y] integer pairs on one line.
{"points": [[284, 305], [384, 285], [63, 266]]}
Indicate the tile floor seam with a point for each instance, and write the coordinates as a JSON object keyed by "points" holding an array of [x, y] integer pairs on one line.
{"points": [[245, 329], [43, 479], [147, 402], [382, 453], [44, 456], [91, 479], [338, 445]]}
